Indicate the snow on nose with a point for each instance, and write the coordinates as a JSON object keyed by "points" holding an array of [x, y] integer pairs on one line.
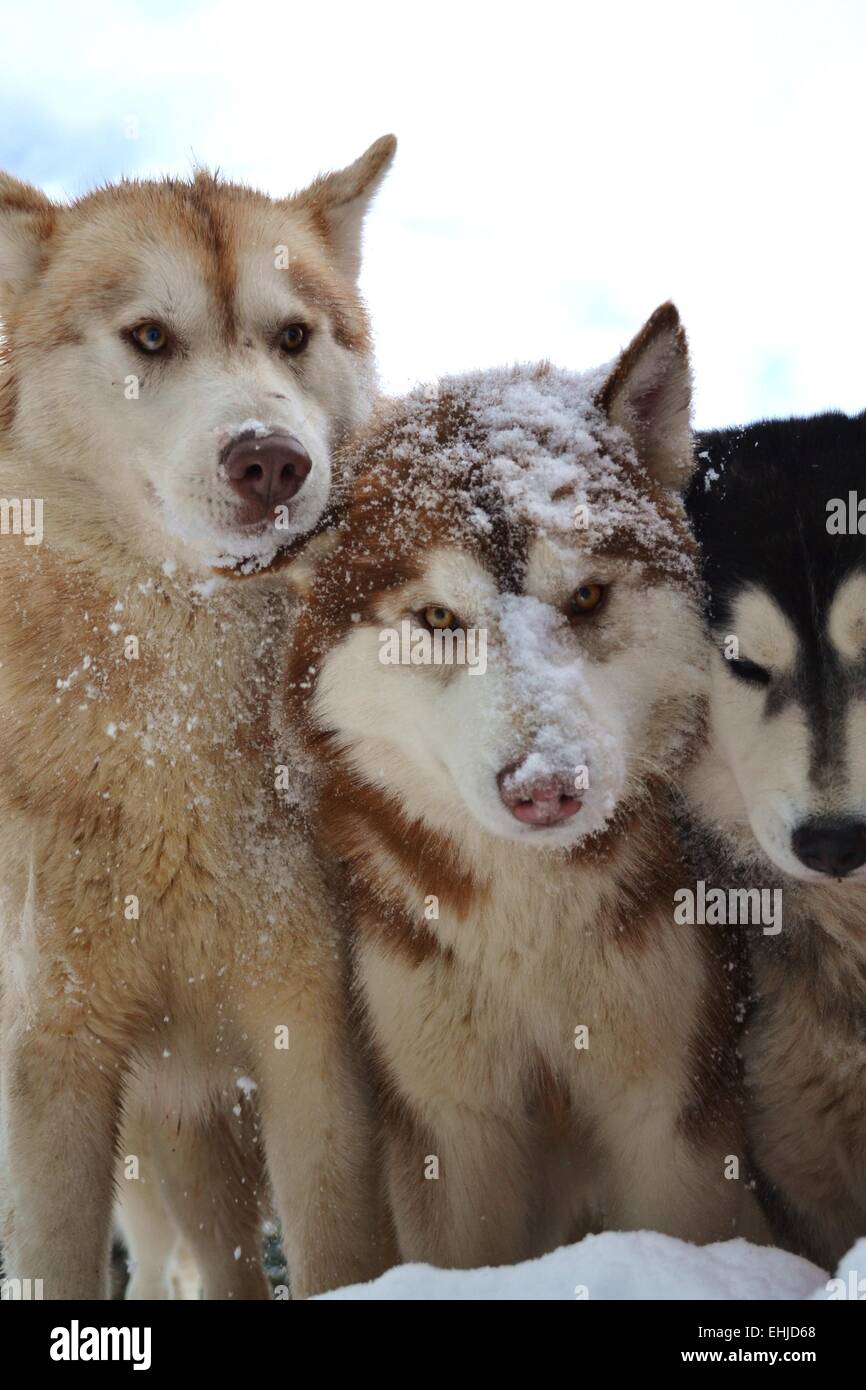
{"points": [[538, 798]]}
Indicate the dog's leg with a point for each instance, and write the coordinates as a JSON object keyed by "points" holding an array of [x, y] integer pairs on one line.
{"points": [[212, 1183], [457, 1130], [459, 1188], [664, 1174], [808, 1179], [319, 1143], [805, 1123], [149, 1230], [151, 1236], [60, 1110]]}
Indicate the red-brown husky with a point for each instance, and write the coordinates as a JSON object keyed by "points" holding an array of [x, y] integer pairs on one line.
{"points": [[500, 667]]}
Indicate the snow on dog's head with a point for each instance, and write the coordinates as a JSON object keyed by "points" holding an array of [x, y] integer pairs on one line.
{"points": [[182, 358], [504, 634]]}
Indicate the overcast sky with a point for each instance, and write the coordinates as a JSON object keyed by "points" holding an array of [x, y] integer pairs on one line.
{"points": [[562, 167]]}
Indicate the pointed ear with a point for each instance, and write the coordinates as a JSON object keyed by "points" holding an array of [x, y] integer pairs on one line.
{"points": [[649, 395], [27, 220], [339, 202]]}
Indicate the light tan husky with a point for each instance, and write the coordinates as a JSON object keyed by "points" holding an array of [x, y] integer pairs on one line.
{"points": [[500, 667], [182, 361]]}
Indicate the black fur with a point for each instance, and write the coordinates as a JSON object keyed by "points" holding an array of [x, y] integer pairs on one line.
{"points": [[764, 518], [758, 504]]}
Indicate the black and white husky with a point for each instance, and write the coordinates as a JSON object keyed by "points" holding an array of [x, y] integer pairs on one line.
{"points": [[780, 510]]}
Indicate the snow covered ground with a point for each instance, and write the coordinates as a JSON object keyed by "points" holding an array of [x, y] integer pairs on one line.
{"points": [[630, 1265]]}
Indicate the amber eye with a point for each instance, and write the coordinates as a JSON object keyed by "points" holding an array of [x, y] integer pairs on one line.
{"points": [[439, 618], [294, 338], [150, 337], [585, 599]]}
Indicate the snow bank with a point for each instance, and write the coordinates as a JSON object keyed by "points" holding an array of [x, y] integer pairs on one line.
{"points": [[850, 1278], [625, 1265]]}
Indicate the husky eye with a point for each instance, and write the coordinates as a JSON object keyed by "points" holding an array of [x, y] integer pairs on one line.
{"points": [[749, 671], [585, 600], [149, 337], [294, 338], [438, 618]]}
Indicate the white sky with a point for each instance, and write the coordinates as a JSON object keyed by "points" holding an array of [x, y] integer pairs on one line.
{"points": [[562, 169]]}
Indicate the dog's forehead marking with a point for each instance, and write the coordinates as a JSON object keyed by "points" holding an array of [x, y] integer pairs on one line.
{"points": [[505, 456], [846, 618], [174, 256], [213, 226], [245, 251], [764, 632]]}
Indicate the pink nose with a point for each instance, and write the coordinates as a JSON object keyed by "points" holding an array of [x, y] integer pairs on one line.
{"points": [[543, 800]]}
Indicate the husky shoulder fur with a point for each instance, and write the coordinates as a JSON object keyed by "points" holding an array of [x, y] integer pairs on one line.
{"points": [[182, 361], [780, 795], [553, 1053]]}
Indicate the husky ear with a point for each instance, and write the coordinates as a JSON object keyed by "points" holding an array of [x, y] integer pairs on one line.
{"points": [[27, 220], [649, 395], [339, 202]]}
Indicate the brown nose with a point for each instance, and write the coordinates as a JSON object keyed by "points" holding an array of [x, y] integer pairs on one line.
{"points": [[265, 472]]}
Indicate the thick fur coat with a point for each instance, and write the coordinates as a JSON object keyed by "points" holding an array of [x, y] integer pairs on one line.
{"points": [[779, 797], [553, 1053], [171, 953]]}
